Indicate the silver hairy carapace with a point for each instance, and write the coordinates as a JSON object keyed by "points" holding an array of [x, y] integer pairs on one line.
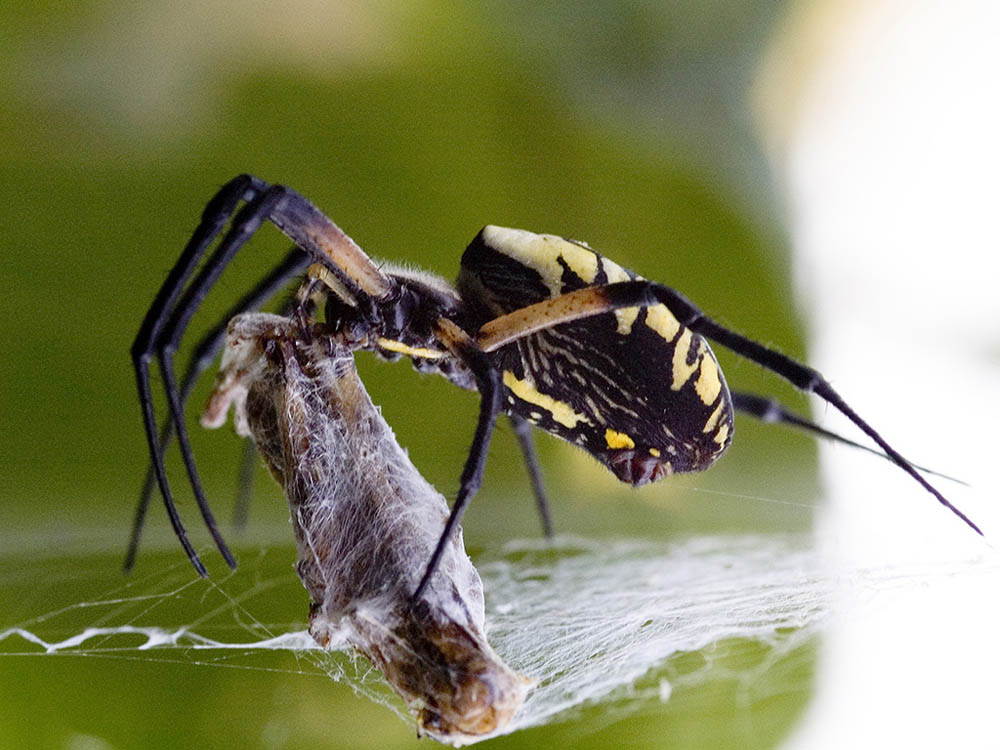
{"points": [[365, 523]]}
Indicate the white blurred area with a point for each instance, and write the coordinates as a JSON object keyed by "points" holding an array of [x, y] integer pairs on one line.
{"points": [[885, 128]]}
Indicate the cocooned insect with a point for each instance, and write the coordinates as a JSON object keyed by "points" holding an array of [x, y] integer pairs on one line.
{"points": [[365, 523]]}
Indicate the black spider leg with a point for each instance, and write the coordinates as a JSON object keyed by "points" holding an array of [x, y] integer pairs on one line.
{"points": [[645, 293], [491, 391], [313, 232], [214, 217], [293, 264], [772, 411], [523, 430], [244, 225]]}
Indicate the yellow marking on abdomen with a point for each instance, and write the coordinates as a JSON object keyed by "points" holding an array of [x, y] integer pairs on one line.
{"points": [[708, 384], [654, 452], [561, 412], [659, 318], [714, 419], [722, 434], [542, 253], [682, 371], [616, 439], [409, 351]]}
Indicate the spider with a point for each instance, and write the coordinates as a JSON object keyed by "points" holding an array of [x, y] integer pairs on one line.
{"points": [[548, 331]]}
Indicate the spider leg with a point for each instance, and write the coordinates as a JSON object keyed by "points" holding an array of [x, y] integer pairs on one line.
{"points": [[327, 243], [207, 349], [523, 430], [213, 219], [166, 321], [595, 300], [270, 204], [205, 352], [244, 225], [491, 390], [772, 411]]}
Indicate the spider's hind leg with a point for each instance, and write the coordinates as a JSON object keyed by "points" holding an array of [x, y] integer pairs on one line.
{"points": [[596, 300], [800, 375], [772, 411]]}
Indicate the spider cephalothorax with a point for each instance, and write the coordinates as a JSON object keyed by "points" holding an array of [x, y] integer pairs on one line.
{"points": [[548, 331]]}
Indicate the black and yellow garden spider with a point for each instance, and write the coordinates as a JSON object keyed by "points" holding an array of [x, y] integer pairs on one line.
{"points": [[548, 331]]}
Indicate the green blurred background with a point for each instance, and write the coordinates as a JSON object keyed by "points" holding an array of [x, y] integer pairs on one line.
{"points": [[413, 124]]}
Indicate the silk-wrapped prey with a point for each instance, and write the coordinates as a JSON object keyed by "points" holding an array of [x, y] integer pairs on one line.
{"points": [[366, 523]]}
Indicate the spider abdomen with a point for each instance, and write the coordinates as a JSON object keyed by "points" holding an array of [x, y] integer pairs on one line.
{"points": [[635, 388]]}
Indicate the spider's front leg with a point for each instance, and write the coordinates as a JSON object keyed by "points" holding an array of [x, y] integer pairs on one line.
{"points": [[167, 319], [151, 333], [205, 352]]}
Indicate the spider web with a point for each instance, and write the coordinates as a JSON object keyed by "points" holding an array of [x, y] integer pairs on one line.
{"points": [[588, 621], [606, 623]]}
